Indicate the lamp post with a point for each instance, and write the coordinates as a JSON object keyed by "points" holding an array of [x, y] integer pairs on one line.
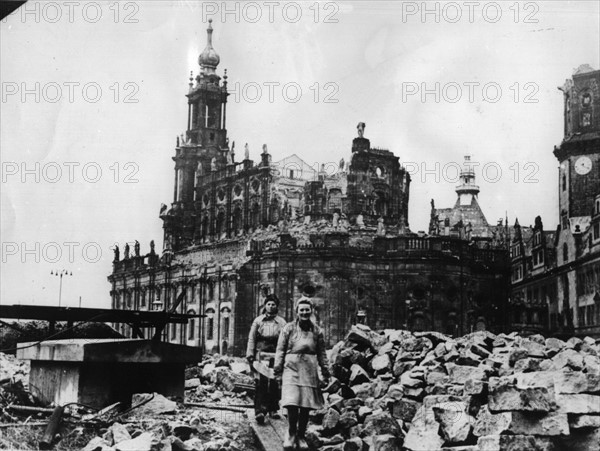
{"points": [[60, 274]]}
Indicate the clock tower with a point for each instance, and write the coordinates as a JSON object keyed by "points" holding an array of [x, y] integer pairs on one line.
{"points": [[579, 152]]}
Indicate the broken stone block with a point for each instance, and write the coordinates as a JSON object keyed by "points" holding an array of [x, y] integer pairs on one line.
{"points": [[534, 348], [517, 354], [119, 433], [553, 346], [435, 377], [402, 366], [434, 400], [526, 423], [535, 379], [505, 396], [381, 363], [527, 365], [404, 409], [455, 422], [575, 343], [408, 381], [395, 391], [358, 375], [207, 371], [382, 385], [414, 393], [423, 432], [584, 421], [380, 423], [348, 419], [363, 390], [474, 387], [192, 383], [358, 336], [578, 403], [330, 420], [459, 374], [385, 442], [570, 382], [158, 405], [568, 357], [488, 423], [387, 348]]}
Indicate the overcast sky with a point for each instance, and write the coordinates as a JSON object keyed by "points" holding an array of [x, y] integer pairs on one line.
{"points": [[112, 80]]}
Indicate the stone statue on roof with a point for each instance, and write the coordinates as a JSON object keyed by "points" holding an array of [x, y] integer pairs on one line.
{"points": [[361, 129]]}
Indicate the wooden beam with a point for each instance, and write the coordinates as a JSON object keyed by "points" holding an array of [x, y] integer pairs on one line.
{"points": [[53, 314]]}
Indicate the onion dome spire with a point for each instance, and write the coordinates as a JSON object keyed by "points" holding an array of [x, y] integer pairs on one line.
{"points": [[209, 59]]}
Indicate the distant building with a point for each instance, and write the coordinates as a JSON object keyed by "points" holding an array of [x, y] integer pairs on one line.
{"points": [[239, 230], [556, 275]]}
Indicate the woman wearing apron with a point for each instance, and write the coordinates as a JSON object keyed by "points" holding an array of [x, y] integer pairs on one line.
{"points": [[260, 354], [300, 354]]}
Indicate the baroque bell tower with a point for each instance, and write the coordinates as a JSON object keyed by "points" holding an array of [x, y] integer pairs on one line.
{"points": [[579, 152], [204, 147]]}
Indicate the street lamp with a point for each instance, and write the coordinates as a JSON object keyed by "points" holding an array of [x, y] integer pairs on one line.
{"points": [[60, 274]]}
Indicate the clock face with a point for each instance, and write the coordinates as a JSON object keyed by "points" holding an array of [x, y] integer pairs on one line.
{"points": [[583, 165]]}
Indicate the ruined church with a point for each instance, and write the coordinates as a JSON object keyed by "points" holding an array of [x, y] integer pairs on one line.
{"points": [[238, 230]]}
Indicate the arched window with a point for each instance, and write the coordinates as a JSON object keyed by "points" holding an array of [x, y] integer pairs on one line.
{"points": [[191, 326], [210, 324], [226, 313]]}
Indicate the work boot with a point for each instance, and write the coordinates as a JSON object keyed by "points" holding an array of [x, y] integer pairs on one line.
{"points": [[275, 415], [260, 418], [290, 442]]}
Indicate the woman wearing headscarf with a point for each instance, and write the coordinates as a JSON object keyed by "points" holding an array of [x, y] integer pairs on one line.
{"points": [[260, 353], [300, 354]]}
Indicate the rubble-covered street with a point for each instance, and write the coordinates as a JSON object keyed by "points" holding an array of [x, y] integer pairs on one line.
{"points": [[394, 390]]}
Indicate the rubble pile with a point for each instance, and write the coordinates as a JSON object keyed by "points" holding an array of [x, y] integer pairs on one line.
{"points": [[222, 372], [481, 392], [164, 425], [156, 423]]}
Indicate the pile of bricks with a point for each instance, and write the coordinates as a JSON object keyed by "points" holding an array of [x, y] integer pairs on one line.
{"points": [[481, 392]]}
